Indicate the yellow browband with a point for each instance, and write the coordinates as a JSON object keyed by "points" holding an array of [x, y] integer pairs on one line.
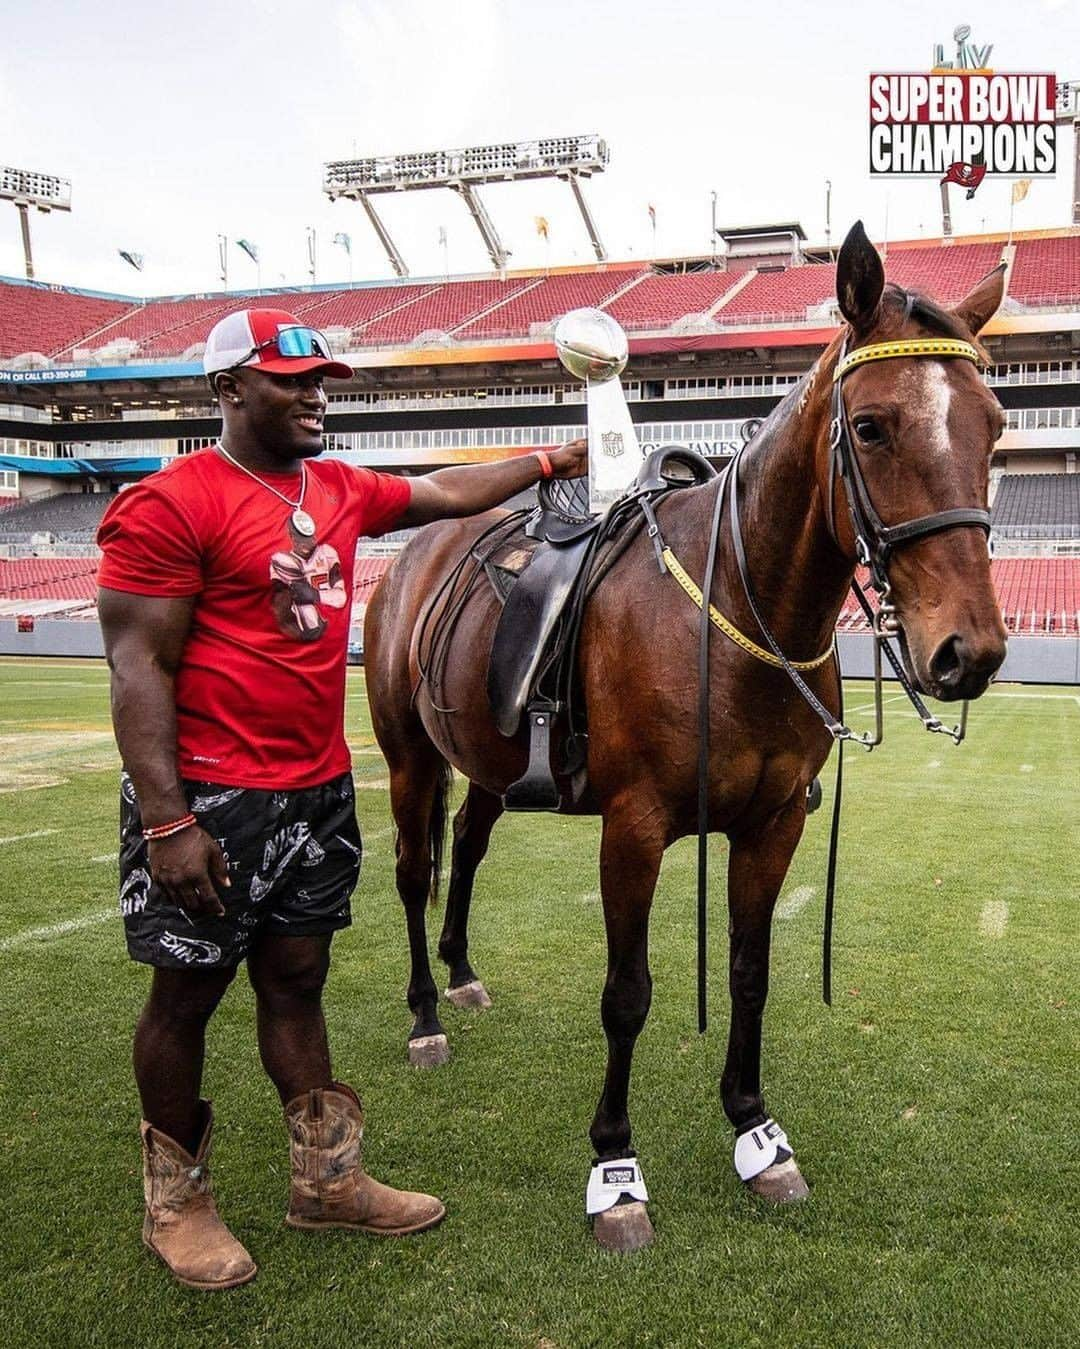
{"points": [[729, 629], [915, 346]]}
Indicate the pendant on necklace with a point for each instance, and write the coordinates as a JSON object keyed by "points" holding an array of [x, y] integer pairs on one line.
{"points": [[303, 524]]}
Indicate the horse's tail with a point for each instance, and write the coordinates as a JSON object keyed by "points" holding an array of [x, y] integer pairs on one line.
{"points": [[440, 811]]}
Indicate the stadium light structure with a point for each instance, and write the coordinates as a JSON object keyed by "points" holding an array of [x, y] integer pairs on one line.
{"points": [[26, 188], [1067, 112], [570, 158]]}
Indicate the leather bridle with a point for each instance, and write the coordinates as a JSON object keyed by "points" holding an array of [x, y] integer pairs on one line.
{"points": [[875, 542]]}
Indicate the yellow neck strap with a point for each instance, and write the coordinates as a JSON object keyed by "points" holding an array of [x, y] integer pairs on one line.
{"points": [[916, 346], [728, 628]]}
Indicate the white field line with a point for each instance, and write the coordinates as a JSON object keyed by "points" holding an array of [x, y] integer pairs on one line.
{"points": [[1041, 697], [869, 707], [796, 901], [994, 916], [106, 857], [31, 935], [38, 833]]}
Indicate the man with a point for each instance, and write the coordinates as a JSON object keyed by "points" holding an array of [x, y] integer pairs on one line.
{"points": [[238, 830]]}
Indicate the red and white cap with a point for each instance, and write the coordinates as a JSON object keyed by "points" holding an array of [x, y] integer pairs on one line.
{"points": [[270, 340]]}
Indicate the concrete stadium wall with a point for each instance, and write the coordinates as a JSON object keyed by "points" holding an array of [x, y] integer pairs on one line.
{"points": [[1031, 660], [51, 637]]}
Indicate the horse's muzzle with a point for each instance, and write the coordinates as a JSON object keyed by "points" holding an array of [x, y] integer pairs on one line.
{"points": [[962, 666]]}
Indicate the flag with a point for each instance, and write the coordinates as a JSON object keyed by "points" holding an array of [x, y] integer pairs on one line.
{"points": [[249, 248], [345, 242], [133, 259], [1020, 189], [965, 175], [652, 214], [541, 226]]}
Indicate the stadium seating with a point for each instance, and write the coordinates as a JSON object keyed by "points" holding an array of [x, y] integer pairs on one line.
{"points": [[1037, 506], [48, 578], [59, 322], [780, 296], [443, 310], [74, 516], [1038, 596], [176, 341], [39, 318], [367, 573], [945, 274], [1047, 271], [159, 319], [354, 308], [542, 303], [657, 301]]}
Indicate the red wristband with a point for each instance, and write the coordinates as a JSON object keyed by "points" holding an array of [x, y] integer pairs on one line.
{"points": [[173, 827], [546, 468]]}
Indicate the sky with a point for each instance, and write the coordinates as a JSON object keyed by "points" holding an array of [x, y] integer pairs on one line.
{"points": [[181, 122]]}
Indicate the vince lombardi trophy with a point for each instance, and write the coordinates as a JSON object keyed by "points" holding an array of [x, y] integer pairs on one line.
{"points": [[593, 347]]}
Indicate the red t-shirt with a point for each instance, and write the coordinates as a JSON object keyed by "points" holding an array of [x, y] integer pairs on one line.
{"points": [[260, 693]]}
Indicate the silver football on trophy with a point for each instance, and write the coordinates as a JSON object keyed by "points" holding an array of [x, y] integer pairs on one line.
{"points": [[591, 345]]}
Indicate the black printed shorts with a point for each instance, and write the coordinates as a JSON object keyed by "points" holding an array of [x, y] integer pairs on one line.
{"points": [[294, 859]]}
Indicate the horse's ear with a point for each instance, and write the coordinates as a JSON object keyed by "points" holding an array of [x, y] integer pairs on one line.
{"points": [[980, 306], [860, 278]]}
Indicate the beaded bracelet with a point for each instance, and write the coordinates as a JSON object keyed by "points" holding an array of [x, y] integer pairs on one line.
{"points": [[173, 827], [547, 469]]}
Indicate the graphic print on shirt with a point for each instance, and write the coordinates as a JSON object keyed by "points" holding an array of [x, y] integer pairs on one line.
{"points": [[306, 579]]}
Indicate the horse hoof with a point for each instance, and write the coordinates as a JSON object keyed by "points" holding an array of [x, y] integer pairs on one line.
{"points": [[472, 994], [781, 1183], [429, 1051], [626, 1227]]}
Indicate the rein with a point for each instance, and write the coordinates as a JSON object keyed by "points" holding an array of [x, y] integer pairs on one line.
{"points": [[875, 542]]}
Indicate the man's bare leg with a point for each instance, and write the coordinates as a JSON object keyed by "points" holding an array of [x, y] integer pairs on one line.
{"points": [[288, 974], [170, 1042]]}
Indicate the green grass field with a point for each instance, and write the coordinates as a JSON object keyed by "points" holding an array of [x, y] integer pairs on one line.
{"points": [[934, 1109]]}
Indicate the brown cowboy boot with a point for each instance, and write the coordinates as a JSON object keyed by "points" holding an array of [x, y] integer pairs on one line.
{"points": [[182, 1226], [330, 1187]]}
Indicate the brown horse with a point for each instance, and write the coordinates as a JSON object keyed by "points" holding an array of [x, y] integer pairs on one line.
{"points": [[920, 426]]}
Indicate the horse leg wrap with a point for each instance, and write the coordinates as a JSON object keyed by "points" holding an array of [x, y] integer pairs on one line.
{"points": [[758, 1146], [611, 1181]]}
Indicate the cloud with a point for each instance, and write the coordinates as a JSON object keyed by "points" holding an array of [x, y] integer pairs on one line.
{"points": [[422, 72]]}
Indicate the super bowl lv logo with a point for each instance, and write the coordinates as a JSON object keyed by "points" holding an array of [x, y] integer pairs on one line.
{"points": [[963, 116]]}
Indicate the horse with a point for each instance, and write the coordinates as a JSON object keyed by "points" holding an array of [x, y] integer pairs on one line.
{"points": [[899, 385]]}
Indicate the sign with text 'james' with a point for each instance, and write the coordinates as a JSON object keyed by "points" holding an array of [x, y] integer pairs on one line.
{"points": [[962, 120]]}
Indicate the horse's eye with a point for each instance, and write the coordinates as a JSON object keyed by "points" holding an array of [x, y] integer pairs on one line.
{"points": [[868, 430]]}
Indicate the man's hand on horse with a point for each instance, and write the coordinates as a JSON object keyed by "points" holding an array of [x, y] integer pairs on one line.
{"points": [[570, 460], [190, 868]]}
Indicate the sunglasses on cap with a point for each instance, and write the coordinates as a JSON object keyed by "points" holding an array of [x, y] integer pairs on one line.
{"points": [[296, 342]]}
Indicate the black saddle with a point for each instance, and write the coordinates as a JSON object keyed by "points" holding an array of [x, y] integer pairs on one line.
{"points": [[532, 668]]}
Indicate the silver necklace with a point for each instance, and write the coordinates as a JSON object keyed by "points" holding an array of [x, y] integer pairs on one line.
{"points": [[301, 521]]}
